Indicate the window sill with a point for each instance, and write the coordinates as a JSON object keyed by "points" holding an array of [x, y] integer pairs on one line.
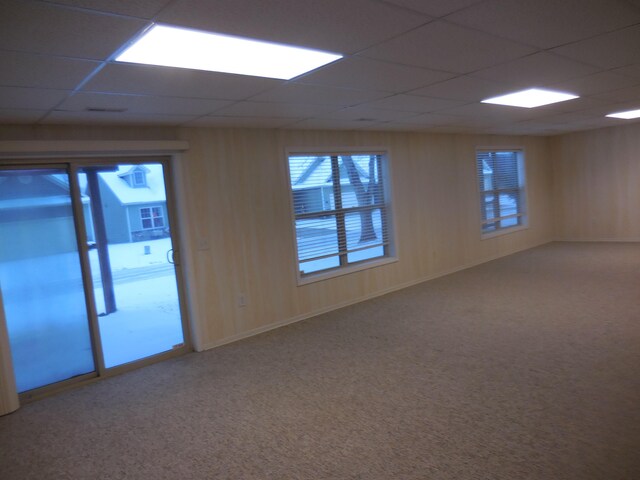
{"points": [[503, 231], [338, 272]]}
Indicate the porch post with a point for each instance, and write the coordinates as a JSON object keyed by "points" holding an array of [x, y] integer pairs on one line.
{"points": [[102, 246]]}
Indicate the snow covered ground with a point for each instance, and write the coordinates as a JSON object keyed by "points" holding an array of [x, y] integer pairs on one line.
{"points": [[319, 236], [125, 256], [147, 320], [47, 320]]}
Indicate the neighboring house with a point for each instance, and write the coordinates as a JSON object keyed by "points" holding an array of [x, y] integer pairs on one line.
{"points": [[312, 186], [134, 203], [36, 215]]}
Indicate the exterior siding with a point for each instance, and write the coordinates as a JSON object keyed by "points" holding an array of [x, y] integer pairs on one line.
{"points": [[135, 221], [37, 237]]}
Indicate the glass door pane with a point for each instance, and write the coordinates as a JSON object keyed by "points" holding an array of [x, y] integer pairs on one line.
{"points": [[130, 252], [41, 278]]}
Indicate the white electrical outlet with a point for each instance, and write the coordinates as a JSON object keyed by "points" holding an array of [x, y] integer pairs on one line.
{"points": [[203, 243], [242, 300]]}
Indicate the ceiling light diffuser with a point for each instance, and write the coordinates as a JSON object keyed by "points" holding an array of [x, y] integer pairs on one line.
{"points": [[533, 97], [626, 115], [184, 48]]}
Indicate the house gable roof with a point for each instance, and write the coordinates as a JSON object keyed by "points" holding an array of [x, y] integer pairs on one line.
{"points": [[317, 171], [153, 192], [125, 173]]}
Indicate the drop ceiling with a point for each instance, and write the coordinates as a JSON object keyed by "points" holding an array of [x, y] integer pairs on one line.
{"points": [[414, 65]]}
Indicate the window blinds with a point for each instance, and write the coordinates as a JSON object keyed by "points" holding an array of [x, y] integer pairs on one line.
{"points": [[340, 210], [501, 187]]}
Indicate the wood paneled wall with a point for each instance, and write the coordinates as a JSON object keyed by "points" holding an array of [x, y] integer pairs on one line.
{"points": [[237, 221], [597, 184]]}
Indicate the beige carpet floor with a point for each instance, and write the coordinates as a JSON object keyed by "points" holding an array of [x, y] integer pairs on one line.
{"points": [[527, 367]]}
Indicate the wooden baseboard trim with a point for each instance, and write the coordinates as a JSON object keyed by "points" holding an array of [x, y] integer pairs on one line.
{"points": [[599, 240], [298, 318]]}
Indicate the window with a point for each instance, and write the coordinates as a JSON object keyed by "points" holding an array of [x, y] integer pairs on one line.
{"points": [[151, 217], [341, 212], [139, 179], [502, 189]]}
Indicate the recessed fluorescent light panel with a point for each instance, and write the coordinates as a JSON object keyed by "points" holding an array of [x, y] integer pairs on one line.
{"points": [[184, 48], [626, 115], [534, 97]]}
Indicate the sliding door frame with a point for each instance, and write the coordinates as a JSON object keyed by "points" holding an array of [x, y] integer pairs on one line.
{"points": [[76, 164], [72, 164], [94, 334]]}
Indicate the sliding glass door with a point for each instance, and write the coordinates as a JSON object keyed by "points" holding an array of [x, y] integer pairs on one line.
{"points": [[132, 265], [41, 278], [87, 269]]}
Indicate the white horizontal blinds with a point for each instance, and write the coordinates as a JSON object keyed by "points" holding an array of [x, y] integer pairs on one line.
{"points": [[501, 189], [340, 210], [363, 198]]}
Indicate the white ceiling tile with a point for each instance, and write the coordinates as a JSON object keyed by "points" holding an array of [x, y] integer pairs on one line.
{"points": [[413, 103], [460, 130], [547, 23], [133, 8], [434, 8], [313, 94], [611, 50], [364, 73], [105, 118], [335, 25], [496, 112], [430, 119], [543, 123], [463, 88], [536, 70], [615, 107], [275, 110], [332, 124], [478, 122], [142, 104], [254, 122], [44, 28], [585, 123], [31, 70], [601, 82], [367, 113], [176, 82], [599, 122], [524, 128], [622, 95], [20, 115], [443, 46], [582, 104], [406, 69], [564, 118], [632, 70], [612, 122], [30, 98], [398, 127]]}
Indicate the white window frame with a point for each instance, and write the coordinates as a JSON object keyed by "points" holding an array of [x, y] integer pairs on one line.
{"points": [[391, 248], [522, 213], [151, 217]]}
